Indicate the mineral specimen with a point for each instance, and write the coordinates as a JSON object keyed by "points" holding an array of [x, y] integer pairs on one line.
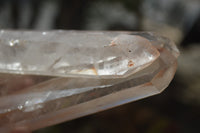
{"points": [[55, 76]]}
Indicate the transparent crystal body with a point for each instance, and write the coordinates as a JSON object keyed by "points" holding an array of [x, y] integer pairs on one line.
{"points": [[55, 76]]}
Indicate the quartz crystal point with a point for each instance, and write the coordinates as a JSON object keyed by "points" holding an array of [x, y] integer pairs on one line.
{"points": [[55, 76]]}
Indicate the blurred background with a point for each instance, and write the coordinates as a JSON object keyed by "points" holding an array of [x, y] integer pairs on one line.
{"points": [[177, 109]]}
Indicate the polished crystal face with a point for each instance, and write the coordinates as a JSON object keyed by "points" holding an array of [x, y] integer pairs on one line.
{"points": [[55, 76]]}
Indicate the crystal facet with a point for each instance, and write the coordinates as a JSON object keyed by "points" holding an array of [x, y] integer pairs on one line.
{"points": [[74, 53], [61, 75]]}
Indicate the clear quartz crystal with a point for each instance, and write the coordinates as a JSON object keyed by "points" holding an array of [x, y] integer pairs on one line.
{"points": [[54, 76]]}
